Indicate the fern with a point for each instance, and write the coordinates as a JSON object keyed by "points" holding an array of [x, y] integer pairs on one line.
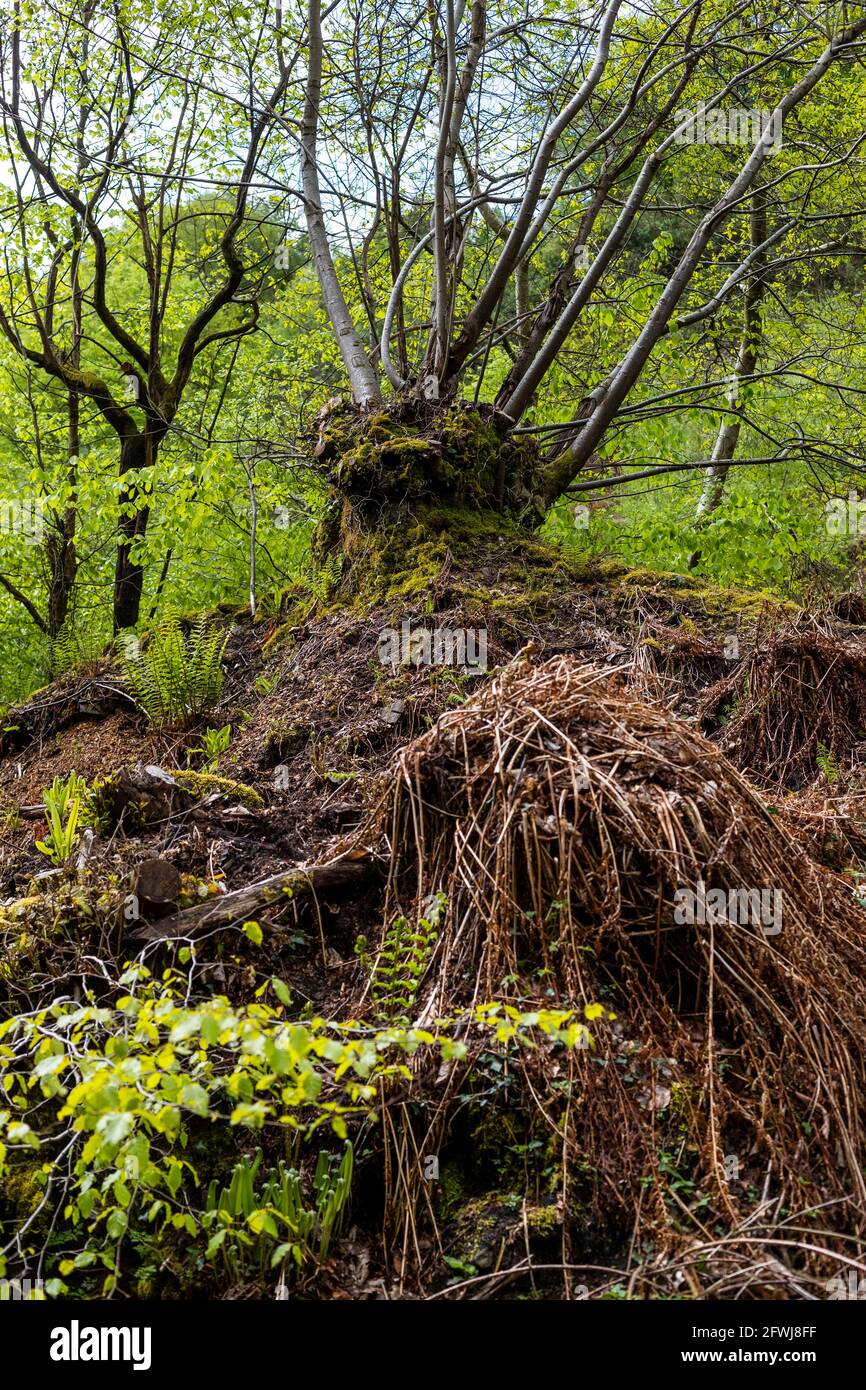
{"points": [[64, 803], [277, 1214], [827, 763], [402, 963], [77, 647], [178, 676]]}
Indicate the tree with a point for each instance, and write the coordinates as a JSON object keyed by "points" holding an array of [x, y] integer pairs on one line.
{"points": [[542, 221], [106, 130], [589, 121]]}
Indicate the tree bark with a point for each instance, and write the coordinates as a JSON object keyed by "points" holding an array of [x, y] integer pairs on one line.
{"points": [[362, 375], [60, 543], [747, 359], [137, 451]]}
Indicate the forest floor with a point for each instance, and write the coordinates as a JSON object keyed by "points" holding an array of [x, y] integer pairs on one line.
{"points": [[321, 728]]}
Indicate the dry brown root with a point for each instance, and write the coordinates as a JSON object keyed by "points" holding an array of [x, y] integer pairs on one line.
{"points": [[672, 663], [561, 814], [830, 824], [794, 707]]}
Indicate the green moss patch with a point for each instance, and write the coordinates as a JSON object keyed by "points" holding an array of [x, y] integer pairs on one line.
{"points": [[201, 784]]}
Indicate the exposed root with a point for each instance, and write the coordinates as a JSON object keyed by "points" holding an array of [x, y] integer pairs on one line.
{"points": [[795, 706], [831, 827], [561, 815], [672, 663]]}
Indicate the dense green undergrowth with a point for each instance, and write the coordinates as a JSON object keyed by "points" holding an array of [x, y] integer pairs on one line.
{"points": [[121, 1116]]}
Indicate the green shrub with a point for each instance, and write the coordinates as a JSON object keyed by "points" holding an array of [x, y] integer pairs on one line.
{"points": [[102, 1100]]}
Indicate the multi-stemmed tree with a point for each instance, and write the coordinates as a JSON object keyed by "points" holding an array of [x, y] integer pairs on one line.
{"points": [[551, 222], [499, 168]]}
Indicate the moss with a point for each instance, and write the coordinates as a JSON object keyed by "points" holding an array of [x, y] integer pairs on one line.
{"points": [[293, 605], [281, 740], [100, 803], [717, 600], [499, 1136], [278, 639], [194, 890], [413, 452], [439, 473], [485, 1226], [543, 1220], [23, 1190], [20, 907], [451, 1192], [214, 616], [437, 553], [204, 783], [529, 601]]}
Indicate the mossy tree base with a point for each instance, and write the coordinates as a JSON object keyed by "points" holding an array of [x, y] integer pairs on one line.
{"points": [[408, 485]]}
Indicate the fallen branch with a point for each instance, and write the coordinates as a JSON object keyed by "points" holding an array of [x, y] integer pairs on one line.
{"points": [[245, 902]]}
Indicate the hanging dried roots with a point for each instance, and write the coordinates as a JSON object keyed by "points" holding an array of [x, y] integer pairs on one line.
{"points": [[567, 822], [795, 706], [673, 664]]}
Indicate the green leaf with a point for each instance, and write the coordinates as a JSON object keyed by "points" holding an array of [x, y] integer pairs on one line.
{"points": [[261, 1221], [281, 990], [116, 1224]]}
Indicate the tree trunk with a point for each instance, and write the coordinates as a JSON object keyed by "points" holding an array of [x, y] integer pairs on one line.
{"points": [[394, 477], [137, 451], [60, 543], [361, 373], [747, 359]]}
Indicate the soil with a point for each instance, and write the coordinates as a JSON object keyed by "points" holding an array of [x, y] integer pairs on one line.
{"points": [[317, 719]]}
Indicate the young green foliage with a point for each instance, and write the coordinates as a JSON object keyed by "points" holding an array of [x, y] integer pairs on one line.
{"points": [[64, 804], [178, 676]]}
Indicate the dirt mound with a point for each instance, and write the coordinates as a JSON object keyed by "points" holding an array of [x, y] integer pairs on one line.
{"points": [[565, 819], [593, 849]]}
